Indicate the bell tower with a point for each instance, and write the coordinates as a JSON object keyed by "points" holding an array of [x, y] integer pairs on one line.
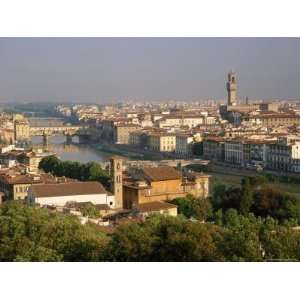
{"points": [[116, 168], [232, 89]]}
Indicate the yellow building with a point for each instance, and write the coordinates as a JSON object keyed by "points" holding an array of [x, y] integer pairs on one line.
{"points": [[154, 184], [162, 142], [22, 130]]}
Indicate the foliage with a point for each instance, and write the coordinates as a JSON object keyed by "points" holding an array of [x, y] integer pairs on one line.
{"points": [[246, 201], [89, 171], [189, 206], [258, 197], [240, 241], [163, 238], [29, 233], [90, 210], [277, 204]]}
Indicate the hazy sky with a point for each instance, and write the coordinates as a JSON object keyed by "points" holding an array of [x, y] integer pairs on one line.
{"points": [[115, 69]]}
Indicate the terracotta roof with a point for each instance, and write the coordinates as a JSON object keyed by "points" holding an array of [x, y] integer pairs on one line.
{"points": [[155, 206], [68, 189], [161, 173]]}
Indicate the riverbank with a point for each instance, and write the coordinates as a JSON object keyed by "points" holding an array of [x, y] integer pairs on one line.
{"points": [[232, 177]]}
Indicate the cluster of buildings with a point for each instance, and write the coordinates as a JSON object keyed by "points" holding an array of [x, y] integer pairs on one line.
{"points": [[13, 128], [278, 153], [261, 135], [155, 128], [135, 191], [251, 134]]}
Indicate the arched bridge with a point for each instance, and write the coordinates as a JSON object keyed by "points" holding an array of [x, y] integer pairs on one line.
{"points": [[82, 132], [54, 130]]}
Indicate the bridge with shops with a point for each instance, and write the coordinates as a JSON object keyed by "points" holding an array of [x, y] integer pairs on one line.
{"points": [[69, 132]]}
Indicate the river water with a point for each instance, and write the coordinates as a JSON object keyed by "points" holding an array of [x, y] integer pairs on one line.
{"points": [[76, 152]]}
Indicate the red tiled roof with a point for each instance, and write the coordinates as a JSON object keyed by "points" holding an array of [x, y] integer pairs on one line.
{"points": [[68, 189]]}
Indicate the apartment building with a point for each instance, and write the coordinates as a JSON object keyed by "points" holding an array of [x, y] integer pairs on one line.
{"points": [[21, 130], [214, 148], [184, 144], [274, 119], [234, 152], [15, 185], [180, 121], [162, 142], [284, 155], [122, 132], [139, 138]]}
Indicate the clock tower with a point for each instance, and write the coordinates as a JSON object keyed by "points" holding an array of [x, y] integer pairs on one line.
{"points": [[116, 169]]}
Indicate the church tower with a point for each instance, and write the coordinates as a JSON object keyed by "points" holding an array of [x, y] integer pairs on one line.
{"points": [[232, 89], [116, 168]]}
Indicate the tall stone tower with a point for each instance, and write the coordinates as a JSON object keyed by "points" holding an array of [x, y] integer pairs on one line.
{"points": [[232, 89], [116, 168]]}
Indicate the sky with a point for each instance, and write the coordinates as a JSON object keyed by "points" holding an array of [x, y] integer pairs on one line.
{"points": [[103, 70]]}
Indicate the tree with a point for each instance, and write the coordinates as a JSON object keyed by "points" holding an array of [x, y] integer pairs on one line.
{"points": [[90, 210], [178, 239], [240, 240], [164, 238], [198, 208], [219, 191], [246, 201], [277, 204], [30, 233], [281, 243], [72, 169], [130, 242]]}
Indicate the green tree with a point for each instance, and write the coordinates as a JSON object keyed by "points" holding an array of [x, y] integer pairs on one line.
{"points": [[277, 204], [131, 242], [281, 243], [240, 241], [247, 200], [90, 210], [164, 238], [198, 208], [29, 233], [89, 171]]}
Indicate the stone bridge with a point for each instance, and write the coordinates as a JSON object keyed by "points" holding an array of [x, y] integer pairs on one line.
{"points": [[69, 131]]}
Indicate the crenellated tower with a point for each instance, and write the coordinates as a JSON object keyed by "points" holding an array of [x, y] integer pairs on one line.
{"points": [[232, 89]]}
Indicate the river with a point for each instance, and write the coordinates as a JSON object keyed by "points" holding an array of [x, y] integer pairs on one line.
{"points": [[74, 151]]}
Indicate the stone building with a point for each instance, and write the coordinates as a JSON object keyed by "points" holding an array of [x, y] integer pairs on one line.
{"points": [[274, 119], [284, 155], [184, 144], [15, 185], [61, 194], [155, 184], [231, 86], [22, 130], [162, 142], [214, 148], [122, 131], [116, 174]]}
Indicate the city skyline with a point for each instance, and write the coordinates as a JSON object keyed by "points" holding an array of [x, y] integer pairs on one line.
{"points": [[104, 70]]}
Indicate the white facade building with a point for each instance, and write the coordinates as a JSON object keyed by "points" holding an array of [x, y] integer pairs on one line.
{"points": [[60, 194]]}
